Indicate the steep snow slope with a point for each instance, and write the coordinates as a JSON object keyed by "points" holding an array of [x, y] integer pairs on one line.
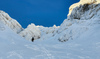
{"points": [[86, 46], [81, 30]]}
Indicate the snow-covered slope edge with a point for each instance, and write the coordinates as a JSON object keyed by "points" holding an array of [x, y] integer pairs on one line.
{"points": [[30, 32], [12, 23], [82, 16], [81, 19]]}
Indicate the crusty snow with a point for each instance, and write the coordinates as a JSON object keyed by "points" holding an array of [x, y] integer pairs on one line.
{"points": [[78, 37]]}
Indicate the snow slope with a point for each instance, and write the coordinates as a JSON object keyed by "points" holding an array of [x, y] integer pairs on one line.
{"points": [[28, 33], [78, 37], [80, 19], [86, 46]]}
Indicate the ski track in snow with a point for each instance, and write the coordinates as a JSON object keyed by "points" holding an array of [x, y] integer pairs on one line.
{"points": [[14, 54], [49, 55]]}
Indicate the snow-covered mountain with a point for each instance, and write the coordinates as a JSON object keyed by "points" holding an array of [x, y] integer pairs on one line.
{"points": [[28, 33], [12, 23], [78, 37]]}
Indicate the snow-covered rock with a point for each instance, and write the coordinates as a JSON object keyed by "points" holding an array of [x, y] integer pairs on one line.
{"points": [[31, 32], [82, 2], [82, 16], [12, 23], [48, 29], [80, 12], [47, 32]]}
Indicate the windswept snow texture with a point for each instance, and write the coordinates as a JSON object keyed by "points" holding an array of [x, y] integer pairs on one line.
{"points": [[78, 37]]}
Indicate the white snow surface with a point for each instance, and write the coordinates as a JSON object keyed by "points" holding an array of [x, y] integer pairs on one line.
{"points": [[85, 46], [31, 32], [78, 37]]}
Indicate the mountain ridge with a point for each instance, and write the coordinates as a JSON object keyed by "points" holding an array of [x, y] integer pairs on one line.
{"points": [[78, 37]]}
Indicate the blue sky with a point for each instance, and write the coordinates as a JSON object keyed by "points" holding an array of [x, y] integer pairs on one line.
{"points": [[39, 12]]}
